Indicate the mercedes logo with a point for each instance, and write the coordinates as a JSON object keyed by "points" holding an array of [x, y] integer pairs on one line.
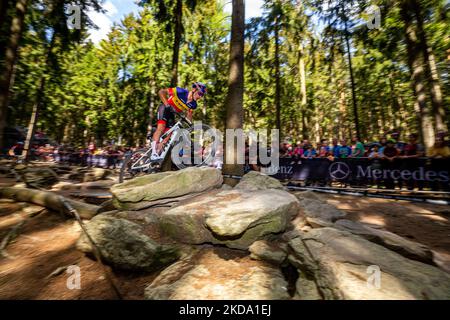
{"points": [[339, 170]]}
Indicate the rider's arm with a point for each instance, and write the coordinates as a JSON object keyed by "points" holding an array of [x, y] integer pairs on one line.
{"points": [[163, 94], [189, 114]]}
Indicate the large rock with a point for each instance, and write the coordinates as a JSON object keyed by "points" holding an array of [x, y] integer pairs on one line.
{"points": [[218, 274], [39, 178], [312, 195], [234, 218], [254, 180], [268, 251], [319, 213], [405, 247], [124, 246], [138, 193], [96, 185], [306, 288], [342, 265], [97, 174]]}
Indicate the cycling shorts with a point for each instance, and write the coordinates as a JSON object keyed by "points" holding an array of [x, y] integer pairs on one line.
{"points": [[166, 115]]}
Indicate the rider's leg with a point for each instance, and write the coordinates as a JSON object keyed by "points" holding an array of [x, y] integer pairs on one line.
{"points": [[161, 126]]}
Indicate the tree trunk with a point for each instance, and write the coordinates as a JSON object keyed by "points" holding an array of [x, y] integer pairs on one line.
{"points": [[415, 62], [177, 42], [304, 101], [277, 78], [352, 81], [151, 107], [396, 112], [342, 118], [38, 102], [11, 53], [4, 5], [234, 100], [431, 72], [49, 200], [304, 125]]}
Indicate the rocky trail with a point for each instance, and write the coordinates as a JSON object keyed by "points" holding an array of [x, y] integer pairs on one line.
{"points": [[186, 235]]}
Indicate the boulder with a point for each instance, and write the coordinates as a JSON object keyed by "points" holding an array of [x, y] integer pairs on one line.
{"points": [[306, 288], [320, 212], [318, 222], [254, 180], [124, 246], [218, 274], [442, 260], [312, 195], [235, 218], [344, 266], [96, 185], [97, 174], [89, 175], [138, 193], [267, 251], [39, 178], [405, 247]]}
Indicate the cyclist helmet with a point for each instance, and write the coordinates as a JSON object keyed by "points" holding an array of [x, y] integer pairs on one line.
{"points": [[200, 87]]}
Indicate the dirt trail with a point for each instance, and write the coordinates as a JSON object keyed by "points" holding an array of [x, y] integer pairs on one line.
{"points": [[424, 223], [47, 242]]}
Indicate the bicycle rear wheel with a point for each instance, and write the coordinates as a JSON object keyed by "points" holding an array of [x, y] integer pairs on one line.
{"points": [[197, 147], [136, 164]]}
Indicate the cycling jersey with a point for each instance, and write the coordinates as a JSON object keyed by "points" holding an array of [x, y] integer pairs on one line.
{"points": [[178, 98]]}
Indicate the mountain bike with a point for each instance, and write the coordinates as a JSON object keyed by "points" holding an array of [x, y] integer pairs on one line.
{"points": [[195, 148]]}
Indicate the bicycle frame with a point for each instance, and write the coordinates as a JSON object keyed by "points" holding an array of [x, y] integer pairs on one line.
{"points": [[147, 165]]}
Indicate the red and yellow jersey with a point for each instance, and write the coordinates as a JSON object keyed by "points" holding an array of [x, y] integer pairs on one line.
{"points": [[178, 98]]}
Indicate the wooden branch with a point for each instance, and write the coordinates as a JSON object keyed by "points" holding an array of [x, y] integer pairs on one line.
{"points": [[49, 200], [10, 236]]}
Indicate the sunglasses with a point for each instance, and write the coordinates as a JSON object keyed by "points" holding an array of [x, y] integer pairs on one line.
{"points": [[200, 93]]}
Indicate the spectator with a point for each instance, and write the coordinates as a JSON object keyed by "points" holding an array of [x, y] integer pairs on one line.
{"points": [[413, 149], [390, 152], [309, 152], [16, 150], [440, 149], [324, 150], [375, 153], [92, 147], [383, 142], [357, 148], [400, 146], [298, 151], [283, 150], [290, 151], [344, 151], [335, 148]]}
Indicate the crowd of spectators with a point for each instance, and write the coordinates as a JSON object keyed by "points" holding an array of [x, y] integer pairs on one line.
{"points": [[387, 153], [108, 156], [388, 147]]}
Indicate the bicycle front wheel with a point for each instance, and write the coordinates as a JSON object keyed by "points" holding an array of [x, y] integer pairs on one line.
{"points": [[196, 147], [136, 164]]}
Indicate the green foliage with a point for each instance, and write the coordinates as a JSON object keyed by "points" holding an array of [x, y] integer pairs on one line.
{"points": [[109, 91]]}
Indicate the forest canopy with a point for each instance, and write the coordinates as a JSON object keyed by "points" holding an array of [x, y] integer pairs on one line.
{"points": [[314, 69]]}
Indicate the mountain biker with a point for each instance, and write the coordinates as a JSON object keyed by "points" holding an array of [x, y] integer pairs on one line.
{"points": [[175, 100]]}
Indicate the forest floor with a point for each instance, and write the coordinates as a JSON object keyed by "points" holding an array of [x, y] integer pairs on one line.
{"points": [[46, 243]]}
